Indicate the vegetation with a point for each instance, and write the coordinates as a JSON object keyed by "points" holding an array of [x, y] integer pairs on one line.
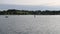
{"points": [[26, 12]]}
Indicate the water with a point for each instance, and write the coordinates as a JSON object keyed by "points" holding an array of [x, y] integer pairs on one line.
{"points": [[27, 24]]}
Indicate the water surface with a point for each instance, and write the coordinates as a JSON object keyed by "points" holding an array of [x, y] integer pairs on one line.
{"points": [[28, 24]]}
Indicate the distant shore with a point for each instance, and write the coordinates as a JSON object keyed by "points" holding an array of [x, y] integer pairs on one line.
{"points": [[27, 12]]}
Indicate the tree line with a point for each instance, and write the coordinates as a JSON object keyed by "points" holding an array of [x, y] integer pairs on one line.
{"points": [[27, 12]]}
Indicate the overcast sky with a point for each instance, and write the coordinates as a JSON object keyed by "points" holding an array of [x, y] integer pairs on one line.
{"points": [[32, 2], [26, 4]]}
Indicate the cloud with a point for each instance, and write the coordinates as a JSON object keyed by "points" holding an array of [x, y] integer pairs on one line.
{"points": [[32, 2], [1, 1], [28, 7]]}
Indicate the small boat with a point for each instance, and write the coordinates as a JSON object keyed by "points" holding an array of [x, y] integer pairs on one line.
{"points": [[6, 16]]}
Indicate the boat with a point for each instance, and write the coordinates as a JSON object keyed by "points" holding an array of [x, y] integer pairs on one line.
{"points": [[6, 16]]}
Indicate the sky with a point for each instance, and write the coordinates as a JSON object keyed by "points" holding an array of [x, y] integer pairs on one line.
{"points": [[32, 2]]}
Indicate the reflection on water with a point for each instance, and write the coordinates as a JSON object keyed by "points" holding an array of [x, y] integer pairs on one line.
{"points": [[27, 24]]}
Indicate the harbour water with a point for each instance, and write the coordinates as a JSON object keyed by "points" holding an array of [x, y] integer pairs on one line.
{"points": [[28, 24]]}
